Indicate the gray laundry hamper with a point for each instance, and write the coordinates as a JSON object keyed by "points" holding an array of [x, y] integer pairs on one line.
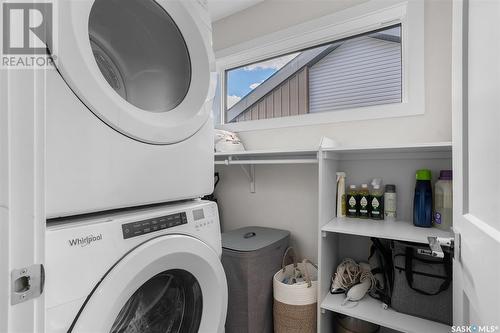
{"points": [[251, 256]]}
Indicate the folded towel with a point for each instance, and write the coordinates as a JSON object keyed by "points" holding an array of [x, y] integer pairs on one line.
{"points": [[227, 142]]}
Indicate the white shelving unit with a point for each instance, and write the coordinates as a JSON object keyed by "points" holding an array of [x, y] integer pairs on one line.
{"points": [[340, 238], [350, 237], [253, 157]]}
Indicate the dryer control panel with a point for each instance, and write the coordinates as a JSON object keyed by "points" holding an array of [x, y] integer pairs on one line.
{"points": [[143, 227]]}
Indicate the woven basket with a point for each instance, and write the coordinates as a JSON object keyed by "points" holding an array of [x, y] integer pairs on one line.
{"points": [[294, 318], [295, 306]]}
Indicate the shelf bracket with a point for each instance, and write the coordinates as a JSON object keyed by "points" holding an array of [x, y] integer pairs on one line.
{"points": [[249, 171]]}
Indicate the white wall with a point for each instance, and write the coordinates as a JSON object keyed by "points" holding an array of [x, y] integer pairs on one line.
{"points": [[271, 16], [286, 196]]}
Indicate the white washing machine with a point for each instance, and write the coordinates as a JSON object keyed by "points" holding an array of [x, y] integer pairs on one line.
{"points": [[154, 269], [129, 106]]}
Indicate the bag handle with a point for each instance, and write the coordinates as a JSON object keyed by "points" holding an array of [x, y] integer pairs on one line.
{"points": [[383, 255], [306, 271], [289, 254], [409, 273]]}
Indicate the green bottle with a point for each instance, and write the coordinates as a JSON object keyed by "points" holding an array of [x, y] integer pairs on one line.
{"points": [[377, 203], [352, 202], [364, 201]]}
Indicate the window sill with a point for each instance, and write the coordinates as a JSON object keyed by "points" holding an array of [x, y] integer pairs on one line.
{"points": [[357, 114]]}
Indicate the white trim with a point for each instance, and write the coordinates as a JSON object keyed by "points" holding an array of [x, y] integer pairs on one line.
{"points": [[22, 191], [352, 21]]}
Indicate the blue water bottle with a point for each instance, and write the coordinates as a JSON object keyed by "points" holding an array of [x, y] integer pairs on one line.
{"points": [[422, 202]]}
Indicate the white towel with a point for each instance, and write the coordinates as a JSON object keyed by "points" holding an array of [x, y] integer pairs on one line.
{"points": [[227, 142]]}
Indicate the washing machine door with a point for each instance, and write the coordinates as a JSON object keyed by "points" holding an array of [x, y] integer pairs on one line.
{"points": [[171, 283], [144, 67]]}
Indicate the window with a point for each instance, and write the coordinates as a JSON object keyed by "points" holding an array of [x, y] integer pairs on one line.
{"points": [[360, 71], [363, 63]]}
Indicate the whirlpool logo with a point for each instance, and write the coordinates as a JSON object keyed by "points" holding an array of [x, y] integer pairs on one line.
{"points": [[84, 241]]}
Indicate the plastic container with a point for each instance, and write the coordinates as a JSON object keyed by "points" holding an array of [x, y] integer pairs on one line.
{"points": [[341, 196], [352, 202], [376, 203], [364, 201], [422, 201], [443, 200], [390, 202]]}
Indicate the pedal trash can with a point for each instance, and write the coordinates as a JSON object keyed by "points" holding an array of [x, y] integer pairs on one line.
{"points": [[251, 256]]}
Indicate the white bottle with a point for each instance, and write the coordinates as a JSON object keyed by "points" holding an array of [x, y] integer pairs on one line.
{"points": [[443, 201], [390, 202]]}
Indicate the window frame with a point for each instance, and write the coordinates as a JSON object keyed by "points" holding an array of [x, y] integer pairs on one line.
{"points": [[369, 16]]}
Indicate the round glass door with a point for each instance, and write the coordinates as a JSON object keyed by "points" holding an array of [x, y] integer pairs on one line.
{"points": [[143, 67], [171, 283], [140, 52], [169, 302]]}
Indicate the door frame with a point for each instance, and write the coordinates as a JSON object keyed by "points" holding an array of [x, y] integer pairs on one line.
{"points": [[22, 191], [459, 124]]}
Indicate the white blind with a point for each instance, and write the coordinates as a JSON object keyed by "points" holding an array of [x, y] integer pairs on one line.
{"points": [[361, 72]]}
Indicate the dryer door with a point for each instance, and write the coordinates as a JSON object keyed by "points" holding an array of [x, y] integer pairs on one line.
{"points": [[171, 283], [144, 67]]}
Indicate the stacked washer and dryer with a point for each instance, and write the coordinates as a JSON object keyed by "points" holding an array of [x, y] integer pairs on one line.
{"points": [[129, 149]]}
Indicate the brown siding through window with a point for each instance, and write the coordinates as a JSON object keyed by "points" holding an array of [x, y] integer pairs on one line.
{"points": [[288, 99]]}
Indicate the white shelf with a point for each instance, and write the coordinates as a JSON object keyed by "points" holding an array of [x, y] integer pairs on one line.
{"points": [[267, 161], [268, 152], [310, 156], [371, 310], [409, 148], [397, 230], [257, 157]]}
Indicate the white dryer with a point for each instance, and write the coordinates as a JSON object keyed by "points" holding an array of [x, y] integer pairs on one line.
{"points": [[129, 106], [155, 269]]}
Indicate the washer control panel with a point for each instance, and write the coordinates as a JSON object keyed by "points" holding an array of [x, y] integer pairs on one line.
{"points": [[139, 228], [204, 217]]}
